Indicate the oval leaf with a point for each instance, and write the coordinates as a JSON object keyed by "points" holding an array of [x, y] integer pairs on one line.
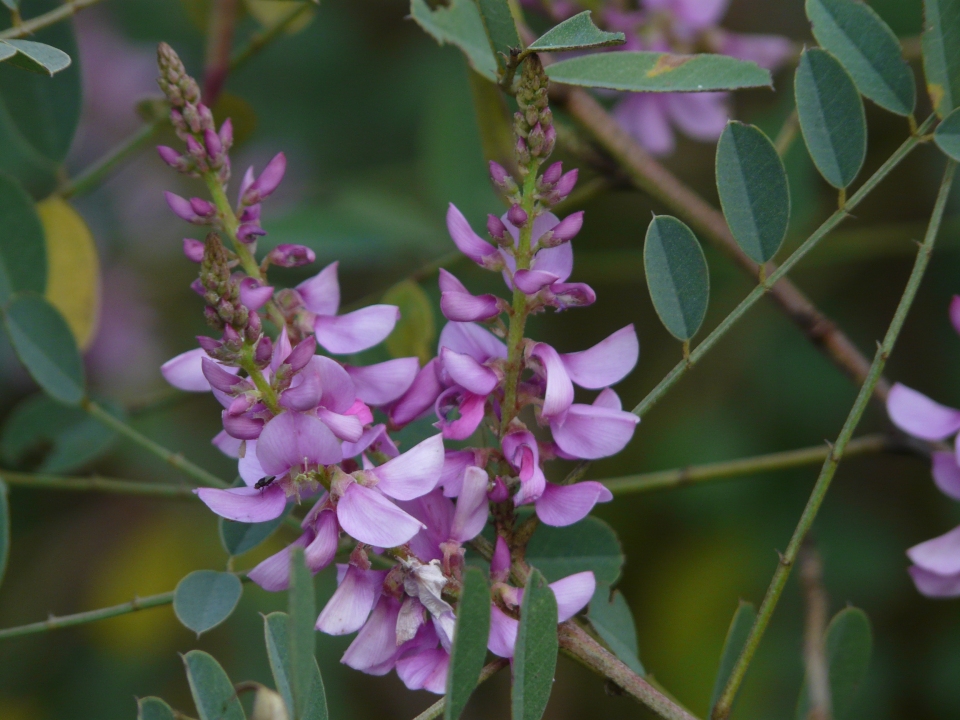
{"points": [[458, 23], [153, 708], [847, 645], [4, 529], [576, 33], [213, 693], [276, 631], [590, 544], [868, 49], [73, 268], [611, 618], [535, 653], [947, 135], [6, 51], [677, 276], [740, 627], [501, 29], [469, 642], [659, 72], [941, 54], [38, 57], [43, 342], [415, 332], [831, 117], [205, 598], [753, 190], [302, 609], [240, 537], [23, 255]]}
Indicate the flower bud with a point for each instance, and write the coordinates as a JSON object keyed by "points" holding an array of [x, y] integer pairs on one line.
{"points": [[250, 213], [193, 249], [288, 255], [230, 335], [213, 143], [566, 184], [267, 182], [254, 326], [226, 134], [302, 354], [249, 232], [517, 216], [170, 156], [499, 492], [567, 229], [552, 174], [209, 344], [264, 351], [197, 287], [495, 227], [184, 208], [499, 174], [203, 208]]}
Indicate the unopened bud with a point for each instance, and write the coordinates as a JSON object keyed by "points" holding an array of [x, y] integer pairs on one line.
{"points": [[249, 232], [567, 229], [552, 174], [213, 143], [496, 228], [499, 174], [267, 182], [517, 216], [264, 351], [193, 249], [209, 344], [170, 156], [226, 134], [288, 255], [566, 184], [203, 208]]}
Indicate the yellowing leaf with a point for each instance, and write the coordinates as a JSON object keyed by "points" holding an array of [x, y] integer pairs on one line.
{"points": [[269, 12], [73, 268]]}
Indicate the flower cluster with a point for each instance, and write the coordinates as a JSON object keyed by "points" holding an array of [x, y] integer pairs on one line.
{"points": [[302, 424], [936, 563]]}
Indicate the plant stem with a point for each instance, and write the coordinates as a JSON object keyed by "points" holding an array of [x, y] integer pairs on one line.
{"points": [[722, 709], [588, 651], [223, 15], [260, 40], [92, 176], [692, 474], [43, 481], [774, 277], [787, 134], [489, 670], [175, 459], [31, 26], [814, 650]]}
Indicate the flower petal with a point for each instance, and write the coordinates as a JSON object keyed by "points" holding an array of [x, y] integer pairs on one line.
{"points": [[573, 593], [249, 465], [933, 585], [471, 340], [345, 427], [304, 392], [466, 240], [955, 312], [701, 116], [941, 555], [376, 438], [470, 407], [468, 373], [533, 281], [608, 399], [606, 363], [185, 371], [503, 633], [414, 473], [273, 574], [590, 432], [339, 392], [321, 293], [562, 505], [555, 261], [384, 382], [374, 650], [425, 670], [644, 116], [918, 415], [356, 331], [229, 446], [946, 473], [245, 504], [471, 513], [455, 462], [292, 438], [323, 548], [419, 399], [351, 603], [366, 515], [559, 394], [464, 307], [767, 51]]}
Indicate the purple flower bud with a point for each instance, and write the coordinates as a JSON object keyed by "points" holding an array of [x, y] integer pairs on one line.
{"points": [[240, 405], [217, 376], [499, 174], [264, 350], [267, 182], [253, 294], [195, 148], [254, 326], [181, 207], [499, 493], [202, 207], [210, 315], [567, 229], [248, 178], [206, 117], [566, 184], [568, 295], [496, 227], [251, 213], [209, 344], [193, 249], [242, 427], [535, 139], [170, 156], [230, 335], [212, 141], [517, 216], [226, 133], [198, 288], [249, 232], [287, 255], [301, 354], [552, 174], [550, 138]]}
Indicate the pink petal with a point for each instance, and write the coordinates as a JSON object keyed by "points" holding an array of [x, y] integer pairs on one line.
{"points": [[500, 563], [644, 116], [364, 414], [918, 415], [356, 331], [339, 392], [374, 650], [589, 432], [425, 670], [767, 51], [455, 463], [471, 512], [185, 371], [245, 504], [464, 307], [291, 439], [940, 555], [345, 427], [384, 382], [955, 312], [946, 474], [241, 426], [466, 240], [281, 350], [414, 473], [702, 116], [323, 548], [436, 512], [419, 399], [607, 362], [561, 505], [468, 373], [559, 394], [555, 261], [321, 293], [229, 446], [545, 221], [472, 340], [532, 488], [249, 466], [366, 515], [351, 603], [253, 294], [304, 392], [700, 14], [448, 282], [934, 585], [573, 593], [273, 574], [608, 399], [521, 451], [533, 281], [503, 633], [471, 408], [375, 437]]}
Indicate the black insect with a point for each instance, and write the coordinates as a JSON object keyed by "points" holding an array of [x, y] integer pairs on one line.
{"points": [[264, 482]]}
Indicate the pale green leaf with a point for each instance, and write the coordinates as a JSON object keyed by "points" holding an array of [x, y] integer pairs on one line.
{"points": [[941, 54], [415, 332], [947, 135], [23, 254], [659, 72], [469, 642], [213, 693], [12, 4], [590, 544], [611, 618], [300, 634], [740, 627], [6, 51], [38, 57], [458, 23], [276, 631], [205, 598], [153, 708], [677, 276], [576, 33], [535, 652], [501, 29]]}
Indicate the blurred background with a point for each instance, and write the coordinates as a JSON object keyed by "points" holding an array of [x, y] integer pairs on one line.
{"points": [[378, 125]]}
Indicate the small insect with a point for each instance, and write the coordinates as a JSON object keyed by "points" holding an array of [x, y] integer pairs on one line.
{"points": [[264, 482]]}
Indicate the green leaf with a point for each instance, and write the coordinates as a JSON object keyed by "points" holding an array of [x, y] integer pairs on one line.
{"points": [[576, 33], [46, 347], [37, 57], [153, 708], [415, 332], [240, 537], [753, 190], [6, 51], [43, 435], [458, 23], [831, 117], [535, 653], [590, 544], [205, 598], [12, 4], [847, 645], [469, 642], [300, 632], [947, 135], [23, 254], [276, 630], [4, 529], [611, 618], [659, 72], [941, 54], [501, 29], [740, 627], [213, 693], [868, 49], [677, 276]]}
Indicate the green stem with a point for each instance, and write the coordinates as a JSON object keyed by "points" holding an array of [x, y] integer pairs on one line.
{"points": [[31, 26], [92, 176], [722, 709], [43, 481], [264, 38], [436, 710], [692, 474], [787, 134], [758, 292], [175, 459]]}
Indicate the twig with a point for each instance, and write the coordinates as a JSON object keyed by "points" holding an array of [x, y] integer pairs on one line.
{"points": [[29, 27], [489, 670], [722, 709], [787, 134], [223, 15], [44, 481], [814, 655]]}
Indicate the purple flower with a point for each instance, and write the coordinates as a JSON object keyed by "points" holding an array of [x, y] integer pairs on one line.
{"points": [[594, 431], [936, 565], [459, 305], [253, 191], [185, 371], [469, 243]]}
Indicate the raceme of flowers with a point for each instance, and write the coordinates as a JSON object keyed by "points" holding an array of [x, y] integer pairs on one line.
{"points": [[302, 424]]}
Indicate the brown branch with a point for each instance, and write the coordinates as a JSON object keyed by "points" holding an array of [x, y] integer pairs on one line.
{"points": [[223, 17]]}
